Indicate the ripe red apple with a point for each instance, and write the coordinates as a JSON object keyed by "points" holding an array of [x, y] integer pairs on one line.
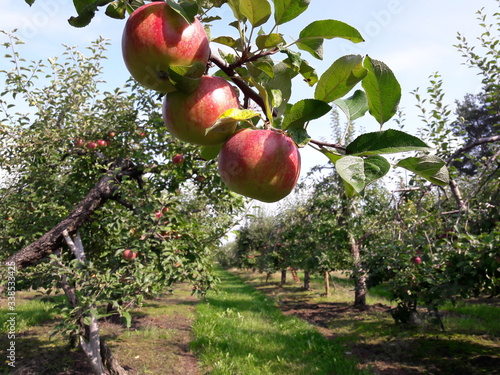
{"points": [[129, 254], [111, 134], [187, 116], [178, 159], [158, 214], [416, 260], [142, 134], [79, 142], [91, 145], [102, 143], [155, 38], [260, 164]]}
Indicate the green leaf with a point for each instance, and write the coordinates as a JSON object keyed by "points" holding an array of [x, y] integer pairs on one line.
{"points": [[312, 36], [304, 111], [282, 81], [333, 156], [287, 10], [385, 142], [186, 78], [382, 89], [375, 167], [355, 106], [117, 10], [261, 66], [358, 172], [228, 121], [86, 10], [308, 73], [299, 135], [345, 73], [430, 167], [269, 41], [256, 11], [187, 10], [351, 169], [227, 41], [210, 152]]}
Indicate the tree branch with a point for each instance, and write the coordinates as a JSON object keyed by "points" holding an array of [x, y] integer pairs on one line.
{"points": [[100, 193], [242, 85]]}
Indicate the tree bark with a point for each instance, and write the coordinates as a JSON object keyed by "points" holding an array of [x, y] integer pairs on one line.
{"points": [[326, 277], [359, 275], [307, 280], [53, 239], [283, 277]]}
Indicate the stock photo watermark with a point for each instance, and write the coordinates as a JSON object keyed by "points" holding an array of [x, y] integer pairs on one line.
{"points": [[10, 324], [41, 18]]}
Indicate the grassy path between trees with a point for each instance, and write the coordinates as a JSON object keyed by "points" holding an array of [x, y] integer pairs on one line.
{"points": [[240, 331]]}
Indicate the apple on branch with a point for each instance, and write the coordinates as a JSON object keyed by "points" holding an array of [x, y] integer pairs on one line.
{"points": [[187, 116], [157, 38], [260, 164], [178, 159]]}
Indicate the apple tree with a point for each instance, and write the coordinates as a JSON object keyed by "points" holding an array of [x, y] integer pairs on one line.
{"points": [[89, 177]]}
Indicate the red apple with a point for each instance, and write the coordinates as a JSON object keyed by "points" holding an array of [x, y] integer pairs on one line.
{"points": [[416, 260], [102, 143], [129, 254], [260, 164], [111, 134], [158, 214], [155, 38], [91, 145], [187, 116], [178, 159], [142, 134], [79, 143]]}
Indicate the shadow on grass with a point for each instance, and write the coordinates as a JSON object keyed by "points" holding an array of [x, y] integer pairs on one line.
{"points": [[37, 354]]}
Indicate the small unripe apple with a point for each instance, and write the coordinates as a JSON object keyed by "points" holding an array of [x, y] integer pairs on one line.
{"points": [[129, 254], [416, 260], [260, 164], [102, 143], [91, 145], [155, 38], [178, 159], [79, 143], [188, 116]]}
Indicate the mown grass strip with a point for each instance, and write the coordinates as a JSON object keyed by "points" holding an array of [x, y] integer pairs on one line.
{"points": [[240, 331]]}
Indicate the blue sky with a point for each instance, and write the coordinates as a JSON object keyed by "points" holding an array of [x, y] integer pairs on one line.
{"points": [[414, 38]]}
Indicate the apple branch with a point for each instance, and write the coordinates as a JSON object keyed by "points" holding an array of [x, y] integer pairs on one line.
{"points": [[242, 85], [104, 190]]}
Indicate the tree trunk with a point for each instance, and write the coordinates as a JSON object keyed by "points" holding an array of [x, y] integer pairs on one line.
{"points": [[283, 277], [98, 353], [52, 240], [307, 280], [359, 275], [326, 277]]}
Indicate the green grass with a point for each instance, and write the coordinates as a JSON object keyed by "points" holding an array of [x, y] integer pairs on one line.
{"points": [[29, 313], [240, 331]]}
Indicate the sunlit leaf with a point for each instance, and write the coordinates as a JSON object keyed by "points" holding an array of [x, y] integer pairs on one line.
{"points": [[312, 36], [385, 142], [287, 10], [431, 167], [382, 89], [340, 78], [304, 111], [256, 11], [355, 106]]}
